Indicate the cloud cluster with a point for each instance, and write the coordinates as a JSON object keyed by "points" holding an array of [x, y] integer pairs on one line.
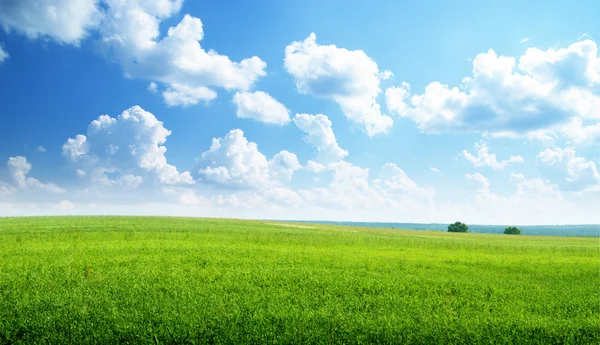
{"points": [[65, 21], [235, 162], [124, 151], [351, 188], [544, 92], [18, 168], [348, 77], [129, 33], [534, 200], [485, 158], [260, 106], [581, 174], [320, 135]]}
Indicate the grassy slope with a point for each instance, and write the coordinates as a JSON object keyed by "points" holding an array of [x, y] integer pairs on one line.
{"points": [[148, 280]]}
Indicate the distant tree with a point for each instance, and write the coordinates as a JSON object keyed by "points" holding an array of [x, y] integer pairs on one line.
{"points": [[512, 230], [458, 227]]}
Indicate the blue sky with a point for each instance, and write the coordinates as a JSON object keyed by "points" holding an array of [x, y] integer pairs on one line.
{"points": [[413, 111]]}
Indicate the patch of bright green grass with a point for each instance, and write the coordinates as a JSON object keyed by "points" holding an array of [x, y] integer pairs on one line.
{"points": [[174, 280]]}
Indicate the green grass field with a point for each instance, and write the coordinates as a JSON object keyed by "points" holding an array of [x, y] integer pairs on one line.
{"points": [[110, 280]]}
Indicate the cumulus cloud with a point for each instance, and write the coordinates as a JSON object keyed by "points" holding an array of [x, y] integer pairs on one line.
{"points": [[351, 188], [485, 158], [581, 174], [18, 169], [553, 156], [283, 165], [348, 77], [315, 167], [3, 54], [152, 87], [233, 161], [260, 106], [184, 95], [394, 182], [541, 93], [65, 21], [177, 60], [320, 135], [527, 190], [119, 151], [129, 33], [483, 191], [578, 133], [533, 198], [535, 187], [65, 205]]}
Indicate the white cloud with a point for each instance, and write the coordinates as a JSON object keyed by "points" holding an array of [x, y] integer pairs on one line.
{"points": [[527, 191], [130, 181], [80, 173], [348, 77], [315, 167], [177, 60], [351, 196], [260, 106], [484, 190], [233, 161], [534, 201], [385, 75], [189, 198], [118, 151], [553, 156], [394, 182], [535, 187], [435, 170], [485, 158], [283, 165], [351, 189], [41, 149], [18, 169], [526, 39], [320, 135], [129, 32], [578, 133], [184, 95], [66, 21], [539, 94], [74, 148], [581, 174], [152, 87], [65, 205], [3, 54]]}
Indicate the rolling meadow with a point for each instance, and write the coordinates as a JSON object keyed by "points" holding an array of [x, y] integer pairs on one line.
{"points": [[151, 280]]}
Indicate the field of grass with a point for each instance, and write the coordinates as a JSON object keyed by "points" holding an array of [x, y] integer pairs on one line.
{"points": [[110, 280]]}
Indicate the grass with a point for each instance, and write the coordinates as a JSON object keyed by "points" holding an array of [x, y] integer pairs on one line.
{"points": [[141, 280]]}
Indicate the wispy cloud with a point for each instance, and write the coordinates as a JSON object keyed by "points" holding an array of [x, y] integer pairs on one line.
{"points": [[524, 40]]}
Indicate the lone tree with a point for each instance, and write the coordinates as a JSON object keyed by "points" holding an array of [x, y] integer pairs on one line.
{"points": [[458, 227], [512, 230]]}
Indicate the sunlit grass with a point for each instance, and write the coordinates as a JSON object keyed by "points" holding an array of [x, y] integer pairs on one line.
{"points": [[175, 280]]}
